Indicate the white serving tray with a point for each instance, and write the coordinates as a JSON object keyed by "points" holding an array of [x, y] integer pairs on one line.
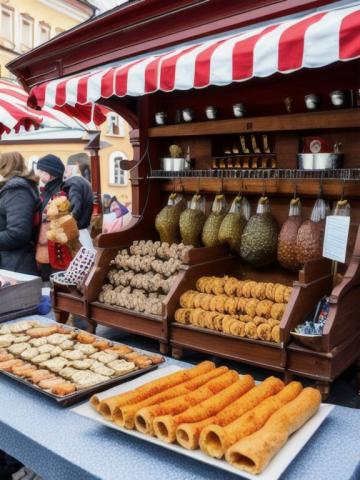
{"points": [[272, 472]]}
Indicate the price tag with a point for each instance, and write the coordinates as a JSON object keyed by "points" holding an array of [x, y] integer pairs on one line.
{"points": [[336, 237]]}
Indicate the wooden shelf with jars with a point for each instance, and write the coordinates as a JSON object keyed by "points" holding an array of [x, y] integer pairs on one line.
{"points": [[324, 120]]}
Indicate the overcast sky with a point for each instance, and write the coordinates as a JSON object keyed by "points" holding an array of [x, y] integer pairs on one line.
{"points": [[104, 5]]}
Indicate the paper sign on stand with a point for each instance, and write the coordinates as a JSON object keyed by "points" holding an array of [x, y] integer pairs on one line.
{"points": [[336, 237]]}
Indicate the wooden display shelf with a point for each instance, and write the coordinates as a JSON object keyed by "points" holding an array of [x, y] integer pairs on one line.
{"points": [[73, 302], [254, 352], [330, 119], [198, 261], [312, 280], [280, 187]]}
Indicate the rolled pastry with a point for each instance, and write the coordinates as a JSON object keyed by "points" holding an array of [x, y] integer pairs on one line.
{"points": [[264, 332], [253, 453], [107, 406], [124, 416], [188, 434], [145, 416], [216, 439], [250, 330], [251, 399], [165, 425]]}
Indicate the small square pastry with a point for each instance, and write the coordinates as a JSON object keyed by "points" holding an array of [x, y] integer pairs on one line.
{"points": [[73, 355], [42, 357], [112, 352], [29, 353], [21, 338], [5, 356], [44, 331], [102, 370], [22, 370], [20, 327], [87, 349], [47, 348], [63, 389], [83, 364], [56, 351], [121, 366], [85, 379], [38, 342], [66, 344], [104, 357], [50, 383], [8, 365], [7, 340], [18, 348], [67, 372], [55, 364], [57, 338], [84, 337], [4, 330]]}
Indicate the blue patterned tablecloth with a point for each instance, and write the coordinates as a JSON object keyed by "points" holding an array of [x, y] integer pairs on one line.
{"points": [[60, 445]]}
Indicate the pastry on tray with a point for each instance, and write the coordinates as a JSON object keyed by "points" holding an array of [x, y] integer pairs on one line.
{"points": [[62, 360]]}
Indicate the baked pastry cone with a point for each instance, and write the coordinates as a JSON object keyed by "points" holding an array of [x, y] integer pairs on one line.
{"points": [[217, 439], [253, 453], [144, 417], [251, 399], [165, 425], [107, 406], [124, 416]]}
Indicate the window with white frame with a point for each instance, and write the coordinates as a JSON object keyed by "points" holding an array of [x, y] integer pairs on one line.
{"points": [[115, 125], [26, 32], [117, 176], [44, 32], [59, 30], [7, 23]]}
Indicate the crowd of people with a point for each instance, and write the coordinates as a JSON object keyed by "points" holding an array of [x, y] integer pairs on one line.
{"points": [[24, 198]]}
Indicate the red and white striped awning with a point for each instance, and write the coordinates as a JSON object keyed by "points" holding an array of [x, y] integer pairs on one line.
{"points": [[313, 41], [15, 113]]}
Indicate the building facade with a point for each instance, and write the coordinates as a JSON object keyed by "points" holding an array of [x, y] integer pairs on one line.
{"points": [[24, 25]]}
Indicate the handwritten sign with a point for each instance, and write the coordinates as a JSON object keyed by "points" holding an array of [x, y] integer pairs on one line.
{"points": [[336, 237]]}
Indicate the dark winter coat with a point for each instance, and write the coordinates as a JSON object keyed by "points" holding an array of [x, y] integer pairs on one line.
{"points": [[19, 201], [79, 193], [51, 189]]}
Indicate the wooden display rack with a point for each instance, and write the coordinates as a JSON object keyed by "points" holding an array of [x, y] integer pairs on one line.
{"points": [[198, 261]]}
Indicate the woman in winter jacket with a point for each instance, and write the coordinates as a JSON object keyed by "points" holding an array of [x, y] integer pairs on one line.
{"points": [[19, 204]]}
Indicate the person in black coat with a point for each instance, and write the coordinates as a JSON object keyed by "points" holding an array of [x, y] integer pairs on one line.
{"points": [[19, 204], [79, 192]]}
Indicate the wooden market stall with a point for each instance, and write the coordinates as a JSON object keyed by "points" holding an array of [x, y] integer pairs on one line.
{"points": [[276, 119]]}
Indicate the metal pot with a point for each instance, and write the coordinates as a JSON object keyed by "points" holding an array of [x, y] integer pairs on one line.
{"points": [[188, 115], [211, 113], [179, 164], [160, 118], [311, 101], [320, 161], [239, 110], [167, 164], [337, 98]]}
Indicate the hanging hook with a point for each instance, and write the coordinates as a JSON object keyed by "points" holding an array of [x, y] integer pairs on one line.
{"points": [[181, 185], [198, 188]]}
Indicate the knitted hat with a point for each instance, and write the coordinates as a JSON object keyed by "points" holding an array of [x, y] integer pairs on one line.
{"points": [[52, 165]]}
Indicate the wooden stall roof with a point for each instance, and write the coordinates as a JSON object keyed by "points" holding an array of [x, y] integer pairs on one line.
{"points": [[140, 26]]}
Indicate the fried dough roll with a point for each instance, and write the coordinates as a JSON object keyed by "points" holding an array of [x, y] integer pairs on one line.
{"points": [[254, 452], [145, 416], [216, 440], [107, 406], [165, 425], [125, 416], [188, 434], [251, 399]]}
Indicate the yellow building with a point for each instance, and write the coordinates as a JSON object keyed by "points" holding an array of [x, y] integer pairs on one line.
{"points": [[25, 24]]}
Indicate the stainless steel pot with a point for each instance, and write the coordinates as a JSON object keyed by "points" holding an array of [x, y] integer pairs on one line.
{"points": [[320, 161], [170, 164], [167, 164]]}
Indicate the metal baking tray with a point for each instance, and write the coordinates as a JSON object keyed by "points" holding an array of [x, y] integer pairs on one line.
{"points": [[83, 394]]}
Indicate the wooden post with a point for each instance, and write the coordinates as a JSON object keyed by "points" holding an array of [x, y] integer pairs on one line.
{"points": [[93, 147]]}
